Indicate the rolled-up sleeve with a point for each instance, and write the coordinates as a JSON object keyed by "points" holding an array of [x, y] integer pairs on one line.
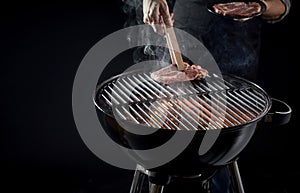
{"points": [[287, 4]]}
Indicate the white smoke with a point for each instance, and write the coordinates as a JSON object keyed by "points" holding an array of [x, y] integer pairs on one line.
{"points": [[134, 11]]}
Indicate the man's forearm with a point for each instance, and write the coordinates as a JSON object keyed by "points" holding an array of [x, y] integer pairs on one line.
{"points": [[275, 9]]}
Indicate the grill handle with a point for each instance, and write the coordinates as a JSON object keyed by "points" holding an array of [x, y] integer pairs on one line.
{"points": [[279, 114]]}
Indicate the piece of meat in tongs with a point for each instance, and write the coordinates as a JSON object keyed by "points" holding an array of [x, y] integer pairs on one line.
{"points": [[171, 74], [179, 71]]}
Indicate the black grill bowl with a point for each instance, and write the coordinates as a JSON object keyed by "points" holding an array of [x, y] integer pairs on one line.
{"points": [[228, 145]]}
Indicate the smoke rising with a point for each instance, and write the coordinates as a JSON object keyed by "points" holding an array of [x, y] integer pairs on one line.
{"points": [[134, 11]]}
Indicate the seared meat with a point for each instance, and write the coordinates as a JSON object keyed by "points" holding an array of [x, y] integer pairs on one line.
{"points": [[170, 74], [238, 9]]}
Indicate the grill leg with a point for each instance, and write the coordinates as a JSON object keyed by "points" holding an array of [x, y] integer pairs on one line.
{"points": [[236, 179], [155, 188], [206, 186], [156, 181], [138, 180]]}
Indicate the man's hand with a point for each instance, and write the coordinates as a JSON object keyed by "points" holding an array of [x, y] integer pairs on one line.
{"points": [[153, 11], [275, 8]]}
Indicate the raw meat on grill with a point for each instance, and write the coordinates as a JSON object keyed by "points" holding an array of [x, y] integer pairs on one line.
{"points": [[238, 9], [170, 74]]}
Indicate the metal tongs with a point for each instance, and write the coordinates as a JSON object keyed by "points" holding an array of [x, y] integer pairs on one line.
{"points": [[173, 46]]}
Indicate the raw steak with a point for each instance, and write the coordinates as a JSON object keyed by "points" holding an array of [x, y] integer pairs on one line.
{"points": [[170, 74], [238, 9]]}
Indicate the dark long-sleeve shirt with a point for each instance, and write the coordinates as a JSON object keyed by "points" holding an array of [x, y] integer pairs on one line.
{"points": [[235, 45]]}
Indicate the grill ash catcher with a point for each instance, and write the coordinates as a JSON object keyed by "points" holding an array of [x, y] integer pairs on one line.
{"points": [[228, 106]]}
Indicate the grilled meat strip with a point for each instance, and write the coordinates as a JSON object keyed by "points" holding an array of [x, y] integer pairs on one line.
{"points": [[170, 74]]}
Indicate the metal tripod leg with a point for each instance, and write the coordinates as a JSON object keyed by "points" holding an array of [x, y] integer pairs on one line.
{"points": [[154, 188], [236, 179], [138, 180], [153, 179]]}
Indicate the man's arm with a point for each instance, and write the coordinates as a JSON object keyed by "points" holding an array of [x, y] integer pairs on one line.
{"points": [[276, 10]]}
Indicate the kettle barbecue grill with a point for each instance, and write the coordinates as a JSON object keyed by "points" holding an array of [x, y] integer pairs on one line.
{"points": [[229, 105]]}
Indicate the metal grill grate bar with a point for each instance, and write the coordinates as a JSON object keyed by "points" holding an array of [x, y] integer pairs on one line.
{"points": [[146, 87], [232, 107], [148, 118], [225, 110], [202, 114], [209, 112], [116, 94], [214, 109], [111, 97], [166, 108], [156, 86], [202, 122], [140, 88], [125, 89], [252, 102], [256, 98], [129, 115], [163, 115], [242, 100], [188, 114], [122, 93], [236, 103], [172, 107], [132, 88], [157, 118]]}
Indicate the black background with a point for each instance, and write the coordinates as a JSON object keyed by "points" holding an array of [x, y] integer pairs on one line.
{"points": [[42, 45]]}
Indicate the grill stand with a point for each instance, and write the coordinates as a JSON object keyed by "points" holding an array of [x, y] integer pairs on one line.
{"points": [[236, 179], [138, 180], [154, 188], [157, 182]]}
